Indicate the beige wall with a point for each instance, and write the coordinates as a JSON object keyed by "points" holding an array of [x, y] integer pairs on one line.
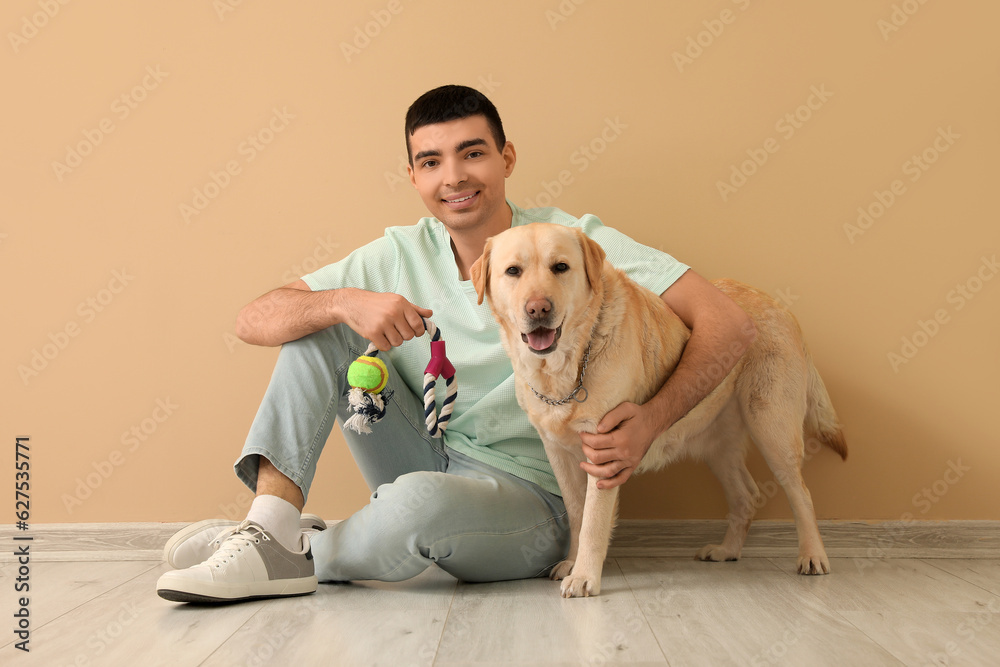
{"points": [[125, 302]]}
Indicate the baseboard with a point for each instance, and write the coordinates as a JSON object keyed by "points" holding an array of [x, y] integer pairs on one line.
{"points": [[842, 539], [633, 538]]}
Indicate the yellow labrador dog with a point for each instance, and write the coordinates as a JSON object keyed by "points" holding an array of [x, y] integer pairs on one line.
{"points": [[563, 308]]}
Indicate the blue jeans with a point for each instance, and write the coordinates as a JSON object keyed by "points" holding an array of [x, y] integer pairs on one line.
{"points": [[430, 504]]}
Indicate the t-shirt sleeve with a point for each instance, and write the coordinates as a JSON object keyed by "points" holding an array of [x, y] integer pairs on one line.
{"points": [[374, 267], [653, 269]]}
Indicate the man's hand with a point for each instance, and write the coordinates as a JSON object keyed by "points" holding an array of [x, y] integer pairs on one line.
{"points": [[385, 319], [623, 437]]}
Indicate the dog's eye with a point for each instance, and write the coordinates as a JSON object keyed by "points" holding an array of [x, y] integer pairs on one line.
{"points": [[561, 267], [513, 271]]}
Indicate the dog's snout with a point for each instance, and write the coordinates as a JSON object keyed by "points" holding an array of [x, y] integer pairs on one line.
{"points": [[538, 308]]}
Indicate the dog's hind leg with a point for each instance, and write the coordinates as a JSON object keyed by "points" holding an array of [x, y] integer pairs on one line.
{"points": [[780, 441], [742, 495]]}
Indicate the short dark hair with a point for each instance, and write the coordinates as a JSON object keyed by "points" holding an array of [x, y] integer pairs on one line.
{"points": [[452, 103]]}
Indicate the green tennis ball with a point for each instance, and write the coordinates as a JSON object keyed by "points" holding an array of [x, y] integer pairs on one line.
{"points": [[368, 373]]}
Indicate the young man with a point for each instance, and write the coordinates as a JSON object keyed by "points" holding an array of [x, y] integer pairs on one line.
{"points": [[482, 502]]}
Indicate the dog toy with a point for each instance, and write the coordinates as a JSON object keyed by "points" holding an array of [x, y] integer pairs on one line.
{"points": [[368, 396]]}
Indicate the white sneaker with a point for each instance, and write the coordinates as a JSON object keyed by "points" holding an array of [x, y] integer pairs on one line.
{"points": [[249, 564], [195, 543]]}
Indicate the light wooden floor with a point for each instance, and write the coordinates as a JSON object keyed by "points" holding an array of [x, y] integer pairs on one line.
{"points": [[651, 611], [934, 601]]}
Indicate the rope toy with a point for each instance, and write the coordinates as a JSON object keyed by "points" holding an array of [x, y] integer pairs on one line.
{"points": [[368, 376]]}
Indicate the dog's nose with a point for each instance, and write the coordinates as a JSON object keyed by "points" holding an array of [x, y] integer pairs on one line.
{"points": [[538, 308]]}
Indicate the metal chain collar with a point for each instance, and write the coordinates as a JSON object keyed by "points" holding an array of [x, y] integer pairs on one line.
{"points": [[572, 396]]}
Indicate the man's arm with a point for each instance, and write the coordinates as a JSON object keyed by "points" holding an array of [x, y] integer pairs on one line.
{"points": [[720, 333], [293, 311]]}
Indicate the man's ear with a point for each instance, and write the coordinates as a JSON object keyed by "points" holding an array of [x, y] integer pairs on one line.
{"points": [[593, 259], [481, 271]]}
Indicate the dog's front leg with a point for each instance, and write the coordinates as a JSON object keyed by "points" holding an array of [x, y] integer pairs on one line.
{"points": [[595, 534], [572, 481]]}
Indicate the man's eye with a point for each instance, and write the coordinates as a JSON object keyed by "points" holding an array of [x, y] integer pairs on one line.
{"points": [[561, 267], [474, 154], [513, 271], [430, 163]]}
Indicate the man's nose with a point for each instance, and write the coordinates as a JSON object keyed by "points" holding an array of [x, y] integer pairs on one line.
{"points": [[455, 173], [537, 308]]}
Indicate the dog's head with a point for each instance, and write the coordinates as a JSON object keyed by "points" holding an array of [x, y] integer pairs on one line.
{"points": [[540, 278]]}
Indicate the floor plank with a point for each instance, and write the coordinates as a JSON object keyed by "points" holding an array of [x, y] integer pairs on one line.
{"points": [[303, 634], [528, 623], [130, 625], [982, 573], [652, 611], [946, 638], [56, 588], [890, 585], [740, 613]]}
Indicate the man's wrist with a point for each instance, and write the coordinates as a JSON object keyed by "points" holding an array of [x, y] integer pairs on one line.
{"points": [[336, 304], [659, 410]]}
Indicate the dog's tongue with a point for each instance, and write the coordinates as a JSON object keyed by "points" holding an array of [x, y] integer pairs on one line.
{"points": [[541, 338]]}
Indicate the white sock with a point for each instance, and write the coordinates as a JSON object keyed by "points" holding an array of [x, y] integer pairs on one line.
{"points": [[278, 517]]}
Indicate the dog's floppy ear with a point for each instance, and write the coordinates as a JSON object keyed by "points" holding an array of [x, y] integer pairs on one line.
{"points": [[481, 271], [593, 256]]}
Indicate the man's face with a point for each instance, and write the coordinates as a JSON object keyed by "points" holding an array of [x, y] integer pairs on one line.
{"points": [[460, 174]]}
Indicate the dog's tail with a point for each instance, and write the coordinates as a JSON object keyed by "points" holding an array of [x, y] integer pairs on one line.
{"points": [[821, 420]]}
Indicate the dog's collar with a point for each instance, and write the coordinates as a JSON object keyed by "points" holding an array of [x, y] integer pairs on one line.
{"points": [[572, 395]]}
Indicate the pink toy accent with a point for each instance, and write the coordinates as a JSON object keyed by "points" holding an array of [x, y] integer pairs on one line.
{"points": [[439, 364]]}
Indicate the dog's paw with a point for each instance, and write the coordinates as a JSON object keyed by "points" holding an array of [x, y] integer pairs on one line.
{"points": [[814, 564], [579, 586], [715, 552], [561, 570]]}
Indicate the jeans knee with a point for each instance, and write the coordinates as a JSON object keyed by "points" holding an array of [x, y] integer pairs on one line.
{"points": [[414, 498]]}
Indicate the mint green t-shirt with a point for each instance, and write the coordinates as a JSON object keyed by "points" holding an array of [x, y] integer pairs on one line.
{"points": [[417, 262]]}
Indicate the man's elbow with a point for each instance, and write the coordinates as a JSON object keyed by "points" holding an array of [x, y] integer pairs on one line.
{"points": [[244, 330]]}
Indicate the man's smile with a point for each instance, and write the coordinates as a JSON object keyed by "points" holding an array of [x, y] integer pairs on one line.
{"points": [[462, 200]]}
